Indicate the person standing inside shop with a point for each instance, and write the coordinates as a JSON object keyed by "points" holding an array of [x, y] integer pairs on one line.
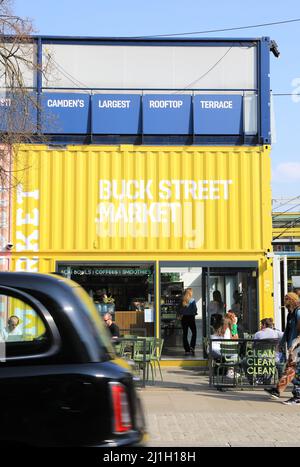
{"points": [[187, 313], [290, 338], [215, 308]]}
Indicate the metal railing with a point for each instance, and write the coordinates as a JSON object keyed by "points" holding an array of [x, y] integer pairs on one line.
{"points": [[245, 363], [138, 332]]}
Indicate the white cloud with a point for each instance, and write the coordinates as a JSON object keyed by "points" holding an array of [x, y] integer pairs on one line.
{"points": [[287, 171]]}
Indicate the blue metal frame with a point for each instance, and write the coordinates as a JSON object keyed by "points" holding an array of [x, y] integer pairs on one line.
{"points": [[39, 82], [264, 90]]}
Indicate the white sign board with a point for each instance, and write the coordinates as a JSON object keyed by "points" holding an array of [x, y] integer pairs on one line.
{"points": [[296, 281], [148, 315]]}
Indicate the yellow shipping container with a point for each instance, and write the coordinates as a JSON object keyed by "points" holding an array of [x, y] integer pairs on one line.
{"points": [[141, 199], [151, 204]]}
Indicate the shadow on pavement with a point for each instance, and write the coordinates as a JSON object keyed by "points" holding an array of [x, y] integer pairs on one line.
{"points": [[194, 380]]}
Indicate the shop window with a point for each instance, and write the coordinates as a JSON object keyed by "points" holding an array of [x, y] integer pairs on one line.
{"points": [[125, 290], [282, 248]]}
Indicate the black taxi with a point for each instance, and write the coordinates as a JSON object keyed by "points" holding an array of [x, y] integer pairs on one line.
{"points": [[60, 381]]}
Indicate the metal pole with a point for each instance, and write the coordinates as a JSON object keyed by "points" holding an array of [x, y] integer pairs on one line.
{"points": [[144, 362], [285, 273]]}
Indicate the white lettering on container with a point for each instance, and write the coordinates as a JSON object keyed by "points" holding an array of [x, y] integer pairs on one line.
{"points": [[27, 220], [114, 104], [5, 102], [165, 104], [27, 264], [216, 104], [66, 103]]}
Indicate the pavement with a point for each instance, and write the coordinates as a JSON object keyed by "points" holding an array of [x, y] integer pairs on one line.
{"points": [[183, 411]]}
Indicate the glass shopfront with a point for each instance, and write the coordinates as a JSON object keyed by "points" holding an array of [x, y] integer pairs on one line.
{"points": [[216, 290], [126, 290]]}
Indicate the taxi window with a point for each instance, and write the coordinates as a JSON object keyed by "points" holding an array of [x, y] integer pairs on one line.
{"points": [[22, 330]]}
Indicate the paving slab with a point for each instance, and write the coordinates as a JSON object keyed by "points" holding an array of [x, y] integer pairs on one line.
{"points": [[183, 411]]}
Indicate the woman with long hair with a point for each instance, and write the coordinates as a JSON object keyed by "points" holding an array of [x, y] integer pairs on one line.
{"points": [[230, 315], [187, 312]]}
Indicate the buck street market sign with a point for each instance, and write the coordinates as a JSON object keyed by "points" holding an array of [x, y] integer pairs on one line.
{"points": [[134, 208]]}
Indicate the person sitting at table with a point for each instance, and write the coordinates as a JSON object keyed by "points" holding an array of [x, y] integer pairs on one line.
{"points": [[267, 331], [224, 331], [231, 316], [112, 327], [221, 331], [272, 356]]}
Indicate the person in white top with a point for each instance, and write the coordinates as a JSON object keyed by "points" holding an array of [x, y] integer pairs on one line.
{"points": [[221, 331], [267, 330]]}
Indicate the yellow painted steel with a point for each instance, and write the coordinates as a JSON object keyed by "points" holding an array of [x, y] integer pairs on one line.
{"points": [[284, 232], [178, 199], [184, 363], [286, 225], [121, 203]]}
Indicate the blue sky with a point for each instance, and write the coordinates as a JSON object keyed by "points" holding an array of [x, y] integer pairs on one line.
{"points": [[137, 17]]}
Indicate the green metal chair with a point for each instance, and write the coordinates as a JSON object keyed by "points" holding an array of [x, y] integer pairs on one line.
{"points": [[156, 354], [230, 359], [142, 353], [120, 348], [128, 344]]}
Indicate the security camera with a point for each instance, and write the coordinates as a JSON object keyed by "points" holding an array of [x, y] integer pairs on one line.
{"points": [[274, 49], [9, 246]]}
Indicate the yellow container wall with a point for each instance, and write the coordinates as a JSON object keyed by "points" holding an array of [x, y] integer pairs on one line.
{"points": [[178, 200]]}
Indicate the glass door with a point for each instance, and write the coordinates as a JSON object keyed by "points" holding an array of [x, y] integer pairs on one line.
{"points": [[173, 282], [229, 289]]}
